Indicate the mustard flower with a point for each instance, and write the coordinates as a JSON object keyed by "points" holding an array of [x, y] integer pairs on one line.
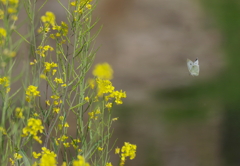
{"points": [[36, 155], [86, 99], [48, 158], [128, 150], [103, 71], [12, 161], [108, 105], [75, 142], [4, 81], [58, 80], [109, 164], [3, 34], [117, 150], [43, 76], [63, 138], [17, 156], [56, 110], [66, 125], [104, 86], [118, 95], [19, 113], [100, 148], [31, 92], [91, 83], [3, 130], [55, 97], [49, 66], [114, 119], [66, 145], [61, 118], [80, 161], [89, 6], [49, 18], [41, 50], [33, 127]]}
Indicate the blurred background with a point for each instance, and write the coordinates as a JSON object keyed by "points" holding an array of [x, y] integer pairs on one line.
{"points": [[173, 118]]}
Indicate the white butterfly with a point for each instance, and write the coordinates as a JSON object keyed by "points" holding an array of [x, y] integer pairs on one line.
{"points": [[193, 67]]}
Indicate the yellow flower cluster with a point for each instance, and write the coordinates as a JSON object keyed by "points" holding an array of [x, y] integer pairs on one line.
{"points": [[49, 66], [41, 50], [127, 150], [11, 8], [19, 113], [79, 5], [31, 92], [56, 102], [3, 130], [16, 156], [104, 73], [94, 114], [3, 34], [4, 81], [109, 164], [33, 127], [60, 81], [48, 158], [61, 30], [48, 20], [75, 142], [80, 161]]}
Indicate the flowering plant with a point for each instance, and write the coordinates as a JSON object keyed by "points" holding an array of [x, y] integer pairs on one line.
{"points": [[35, 128]]}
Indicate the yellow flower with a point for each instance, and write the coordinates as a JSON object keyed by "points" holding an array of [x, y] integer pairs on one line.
{"points": [[63, 138], [66, 145], [80, 161], [128, 150], [117, 150], [109, 164], [48, 18], [3, 130], [114, 119], [49, 66], [43, 76], [61, 118], [17, 156], [86, 99], [56, 110], [33, 127], [64, 164], [104, 86], [66, 125], [55, 97], [58, 80], [91, 83], [48, 158], [47, 102], [89, 6], [103, 71], [19, 113], [100, 148], [36, 155], [31, 92], [109, 105]]}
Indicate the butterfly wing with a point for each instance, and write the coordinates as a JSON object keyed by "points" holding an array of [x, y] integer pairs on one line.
{"points": [[189, 64], [194, 70], [193, 67]]}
